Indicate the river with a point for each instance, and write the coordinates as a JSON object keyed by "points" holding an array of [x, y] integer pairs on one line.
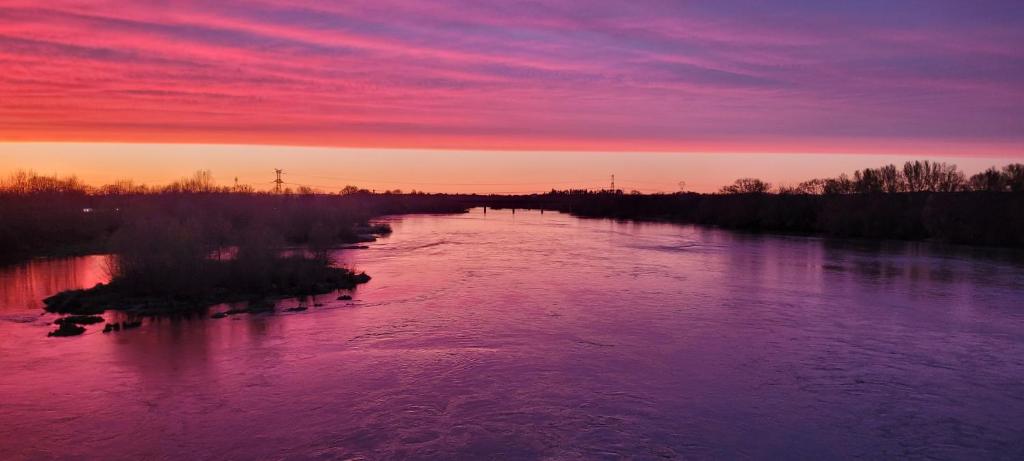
{"points": [[529, 335]]}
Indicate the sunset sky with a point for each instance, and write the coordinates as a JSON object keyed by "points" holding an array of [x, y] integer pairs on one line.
{"points": [[489, 96]]}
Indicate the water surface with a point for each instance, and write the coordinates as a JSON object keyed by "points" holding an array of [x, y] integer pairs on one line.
{"points": [[545, 336]]}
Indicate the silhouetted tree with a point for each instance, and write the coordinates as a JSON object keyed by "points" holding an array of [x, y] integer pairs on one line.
{"points": [[30, 183], [867, 181], [892, 180], [839, 185], [990, 180], [201, 182], [747, 186], [932, 177], [161, 254], [812, 187], [1014, 173], [124, 187]]}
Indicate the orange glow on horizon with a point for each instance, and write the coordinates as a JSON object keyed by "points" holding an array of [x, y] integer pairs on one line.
{"points": [[443, 170]]}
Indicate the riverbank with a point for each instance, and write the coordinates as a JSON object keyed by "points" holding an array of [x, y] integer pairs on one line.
{"points": [[61, 227], [972, 218], [39, 225]]}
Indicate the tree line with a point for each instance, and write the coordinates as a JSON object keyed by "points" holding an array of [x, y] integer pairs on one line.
{"points": [[921, 201], [44, 215], [49, 215], [22, 183], [915, 176]]}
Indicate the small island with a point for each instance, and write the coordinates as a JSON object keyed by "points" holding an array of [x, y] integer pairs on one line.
{"points": [[222, 282], [151, 284]]}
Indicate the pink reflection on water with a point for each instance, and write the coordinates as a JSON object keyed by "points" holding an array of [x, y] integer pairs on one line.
{"points": [[24, 286]]}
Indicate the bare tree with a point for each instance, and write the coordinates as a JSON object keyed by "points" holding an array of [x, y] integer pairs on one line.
{"points": [[201, 182], [747, 186], [1014, 176], [932, 177]]}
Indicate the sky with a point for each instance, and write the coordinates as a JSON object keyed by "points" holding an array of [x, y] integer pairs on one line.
{"points": [[522, 85]]}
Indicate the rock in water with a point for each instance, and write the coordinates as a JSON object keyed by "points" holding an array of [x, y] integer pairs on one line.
{"points": [[67, 329]]}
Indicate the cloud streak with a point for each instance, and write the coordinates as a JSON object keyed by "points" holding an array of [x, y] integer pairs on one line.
{"points": [[617, 75]]}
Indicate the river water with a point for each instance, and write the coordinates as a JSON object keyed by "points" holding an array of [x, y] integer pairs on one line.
{"points": [[529, 335]]}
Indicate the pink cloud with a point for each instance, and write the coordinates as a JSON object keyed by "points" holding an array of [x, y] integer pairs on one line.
{"points": [[652, 75]]}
